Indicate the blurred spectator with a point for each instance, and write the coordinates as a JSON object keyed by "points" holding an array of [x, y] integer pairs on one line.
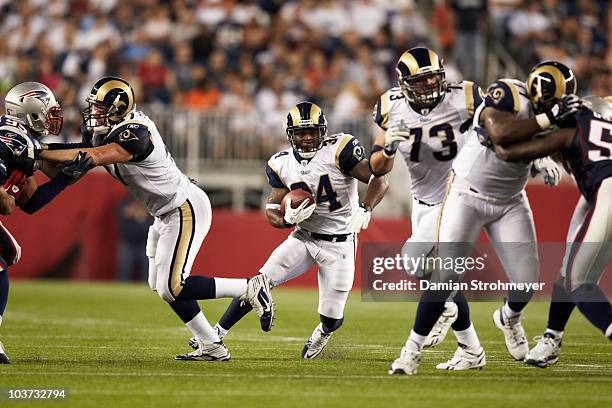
{"points": [[134, 221], [260, 57], [470, 24]]}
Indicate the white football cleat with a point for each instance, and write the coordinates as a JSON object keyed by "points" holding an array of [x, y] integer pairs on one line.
{"points": [[3, 357], [207, 352], [516, 341], [259, 296], [546, 351], [408, 361], [316, 343], [439, 331], [465, 358], [193, 342]]}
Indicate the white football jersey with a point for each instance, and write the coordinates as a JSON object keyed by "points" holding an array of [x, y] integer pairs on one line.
{"points": [[437, 136], [477, 164], [326, 177], [151, 176]]}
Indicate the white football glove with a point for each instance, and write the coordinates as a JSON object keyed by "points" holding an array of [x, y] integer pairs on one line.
{"points": [[548, 169], [395, 134], [360, 219], [299, 214]]}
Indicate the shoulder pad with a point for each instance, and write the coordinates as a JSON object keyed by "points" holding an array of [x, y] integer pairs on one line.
{"points": [[503, 94], [381, 108]]}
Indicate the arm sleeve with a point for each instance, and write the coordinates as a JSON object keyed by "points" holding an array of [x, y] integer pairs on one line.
{"points": [[45, 193], [273, 178], [503, 96], [133, 137], [350, 152]]}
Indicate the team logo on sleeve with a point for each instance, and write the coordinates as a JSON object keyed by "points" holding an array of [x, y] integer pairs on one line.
{"points": [[358, 152], [496, 94], [127, 135], [14, 142]]}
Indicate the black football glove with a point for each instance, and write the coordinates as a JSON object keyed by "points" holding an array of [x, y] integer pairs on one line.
{"points": [[563, 109], [76, 168]]}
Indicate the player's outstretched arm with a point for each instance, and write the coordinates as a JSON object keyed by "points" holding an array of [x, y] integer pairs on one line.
{"points": [[504, 128], [102, 155], [275, 218], [533, 149]]}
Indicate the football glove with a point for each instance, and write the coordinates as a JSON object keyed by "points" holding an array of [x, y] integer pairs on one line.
{"points": [[360, 219], [560, 111], [395, 134], [76, 168], [550, 171], [296, 215], [15, 183]]}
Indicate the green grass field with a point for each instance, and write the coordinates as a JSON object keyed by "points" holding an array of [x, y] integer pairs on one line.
{"points": [[113, 345]]}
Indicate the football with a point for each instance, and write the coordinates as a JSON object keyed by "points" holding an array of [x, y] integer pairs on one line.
{"points": [[296, 197]]}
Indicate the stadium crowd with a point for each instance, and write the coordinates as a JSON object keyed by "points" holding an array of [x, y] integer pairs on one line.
{"points": [[259, 57]]}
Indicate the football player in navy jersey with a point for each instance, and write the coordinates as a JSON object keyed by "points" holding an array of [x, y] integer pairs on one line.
{"points": [[586, 147], [32, 112]]}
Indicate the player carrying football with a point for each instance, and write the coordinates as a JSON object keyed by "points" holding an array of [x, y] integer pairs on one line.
{"points": [[127, 143], [586, 146], [31, 113], [485, 192], [327, 167]]}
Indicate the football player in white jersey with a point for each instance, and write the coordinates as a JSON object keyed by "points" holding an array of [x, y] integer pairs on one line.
{"points": [[325, 232], [127, 143], [426, 119], [486, 192]]}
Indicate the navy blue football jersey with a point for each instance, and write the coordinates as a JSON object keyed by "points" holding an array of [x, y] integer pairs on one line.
{"points": [[16, 146], [590, 152]]}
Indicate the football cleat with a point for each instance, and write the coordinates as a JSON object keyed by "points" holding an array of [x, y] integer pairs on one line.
{"points": [[465, 358], [316, 343], [259, 296], [207, 352], [516, 341], [408, 361], [439, 331], [3, 357], [193, 342], [546, 351]]}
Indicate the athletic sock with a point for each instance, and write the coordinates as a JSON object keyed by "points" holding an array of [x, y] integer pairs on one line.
{"points": [[431, 306], [235, 311], [594, 305], [4, 291], [417, 339], [197, 288], [185, 309], [468, 337], [201, 329], [230, 287], [222, 331], [508, 312], [555, 334], [517, 300], [463, 313], [560, 309]]}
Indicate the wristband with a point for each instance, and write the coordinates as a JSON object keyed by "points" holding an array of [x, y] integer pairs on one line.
{"points": [[273, 207], [387, 155], [543, 121], [366, 207]]}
